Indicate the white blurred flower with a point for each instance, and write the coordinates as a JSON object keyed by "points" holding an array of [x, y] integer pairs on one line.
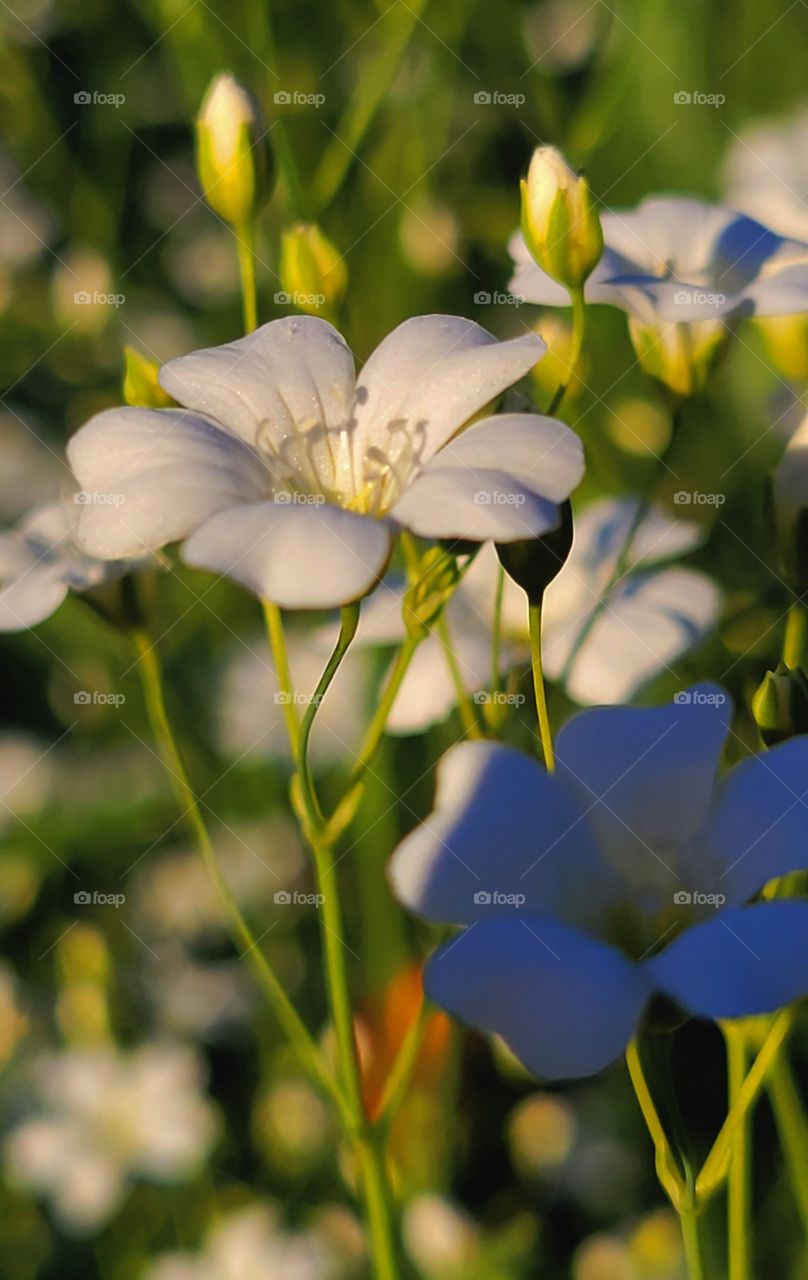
{"points": [[25, 776], [105, 1119], [250, 708], [40, 563], [254, 1244], [612, 619], [440, 1238], [293, 475], [30, 473], [766, 172]]}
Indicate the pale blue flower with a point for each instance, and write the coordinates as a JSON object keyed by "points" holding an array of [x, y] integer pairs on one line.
{"points": [[627, 873]]}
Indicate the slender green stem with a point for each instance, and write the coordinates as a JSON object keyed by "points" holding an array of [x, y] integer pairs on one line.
{"points": [[245, 248], [307, 1051], [534, 615], [576, 348], [738, 1184], [465, 706], [796, 636], [715, 1167], [406, 1060], [792, 1126], [667, 1166], [689, 1223], [283, 673], [348, 624], [381, 715]]}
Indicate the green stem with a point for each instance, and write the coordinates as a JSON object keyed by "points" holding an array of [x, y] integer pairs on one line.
{"points": [[689, 1224], [381, 715], [738, 1186], [792, 1126], [667, 1166], [576, 348], [465, 706], [348, 624], [245, 249], [534, 614], [406, 1060], [283, 673], [715, 1167], [796, 636], [307, 1051], [496, 630]]}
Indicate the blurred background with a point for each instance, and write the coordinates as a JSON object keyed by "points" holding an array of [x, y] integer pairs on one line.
{"points": [[153, 1123]]}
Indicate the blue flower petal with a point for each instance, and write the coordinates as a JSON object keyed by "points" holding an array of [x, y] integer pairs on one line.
{"points": [[565, 1003], [746, 961], [759, 826], [646, 776], [501, 827]]}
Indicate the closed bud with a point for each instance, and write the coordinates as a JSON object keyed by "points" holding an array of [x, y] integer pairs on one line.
{"points": [[560, 223], [425, 599], [141, 386], [312, 270], [780, 704], [681, 354], [231, 161], [534, 562]]}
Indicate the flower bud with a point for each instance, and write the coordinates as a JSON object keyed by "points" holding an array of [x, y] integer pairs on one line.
{"points": [[141, 386], [560, 223], [423, 602], [230, 160], [312, 270], [534, 562], [780, 704], [681, 354]]}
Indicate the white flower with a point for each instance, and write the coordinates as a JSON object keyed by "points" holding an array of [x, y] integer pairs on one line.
{"points": [[250, 710], [608, 627], [107, 1118], [253, 1244], [291, 475], [623, 874], [682, 269], [766, 172], [40, 563]]}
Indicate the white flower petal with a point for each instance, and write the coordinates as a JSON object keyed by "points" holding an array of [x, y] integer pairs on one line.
{"points": [[565, 1003], [451, 502], [290, 371], [744, 962], [151, 476], [541, 453], [299, 556], [31, 598], [432, 374], [646, 625]]}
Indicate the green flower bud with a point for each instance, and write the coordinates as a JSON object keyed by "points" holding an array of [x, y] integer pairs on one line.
{"points": [[140, 381], [312, 270], [682, 355], [534, 562], [559, 220], [434, 586], [780, 704], [230, 160]]}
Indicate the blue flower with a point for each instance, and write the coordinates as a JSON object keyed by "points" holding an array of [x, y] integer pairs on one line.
{"points": [[627, 873]]}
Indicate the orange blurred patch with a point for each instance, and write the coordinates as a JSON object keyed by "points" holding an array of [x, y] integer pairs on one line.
{"points": [[382, 1027]]}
